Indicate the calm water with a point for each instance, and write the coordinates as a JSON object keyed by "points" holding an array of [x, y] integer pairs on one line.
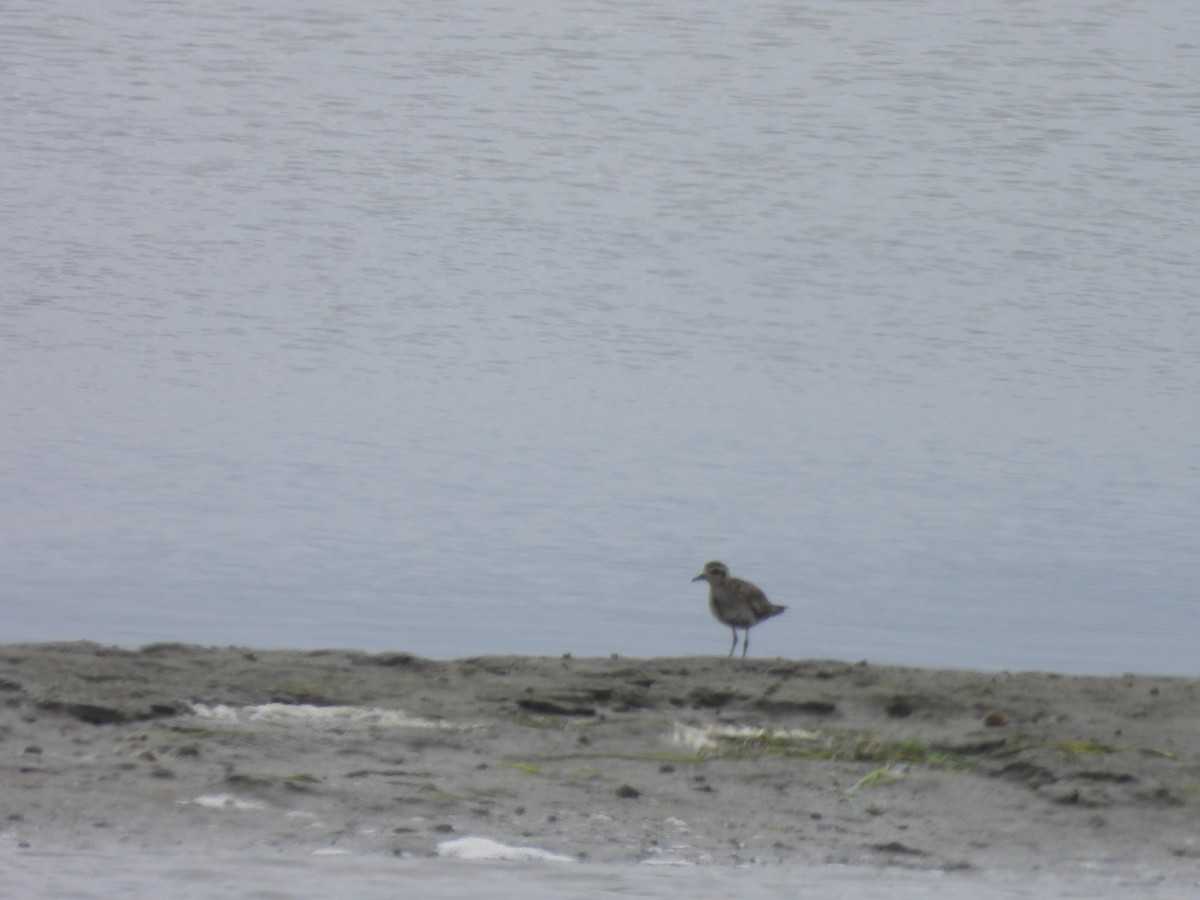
{"points": [[465, 329], [184, 875]]}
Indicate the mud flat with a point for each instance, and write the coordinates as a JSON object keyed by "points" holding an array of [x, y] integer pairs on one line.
{"points": [[688, 760]]}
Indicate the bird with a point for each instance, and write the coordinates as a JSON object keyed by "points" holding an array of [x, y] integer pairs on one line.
{"points": [[736, 603]]}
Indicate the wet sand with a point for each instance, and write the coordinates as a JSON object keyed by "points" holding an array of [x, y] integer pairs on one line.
{"points": [[690, 760]]}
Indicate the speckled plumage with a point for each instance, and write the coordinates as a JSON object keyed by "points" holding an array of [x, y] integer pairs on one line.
{"points": [[736, 603]]}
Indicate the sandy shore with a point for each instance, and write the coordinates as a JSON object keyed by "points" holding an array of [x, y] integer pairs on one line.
{"points": [[701, 760]]}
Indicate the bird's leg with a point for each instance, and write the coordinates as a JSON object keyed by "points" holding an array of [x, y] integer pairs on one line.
{"points": [[745, 643], [733, 646]]}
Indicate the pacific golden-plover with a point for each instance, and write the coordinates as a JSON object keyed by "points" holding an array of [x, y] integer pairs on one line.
{"points": [[735, 602]]}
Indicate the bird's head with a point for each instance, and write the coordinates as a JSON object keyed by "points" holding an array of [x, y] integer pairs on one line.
{"points": [[714, 573]]}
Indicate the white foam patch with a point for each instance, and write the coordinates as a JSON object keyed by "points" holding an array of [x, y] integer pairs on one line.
{"points": [[676, 855], [224, 801], [483, 848], [332, 718], [709, 737], [667, 861]]}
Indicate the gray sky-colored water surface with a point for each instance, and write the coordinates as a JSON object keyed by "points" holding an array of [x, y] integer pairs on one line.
{"points": [[469, 329]]}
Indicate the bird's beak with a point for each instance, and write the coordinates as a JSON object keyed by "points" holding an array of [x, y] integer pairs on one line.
{"points": [[699, 577]]}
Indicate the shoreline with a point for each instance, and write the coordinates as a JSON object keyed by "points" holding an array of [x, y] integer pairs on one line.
{"points": [[695, 760]]}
